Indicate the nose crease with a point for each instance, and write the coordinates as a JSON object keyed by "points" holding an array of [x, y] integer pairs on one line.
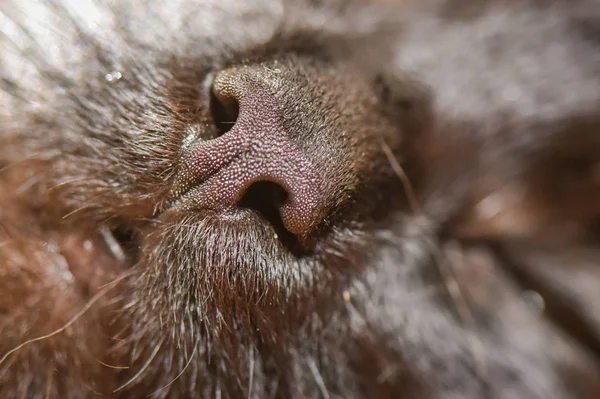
{"points": [[257, 148]]}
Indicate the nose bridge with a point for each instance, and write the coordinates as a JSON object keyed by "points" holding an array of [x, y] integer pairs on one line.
{"points": [[257, 148], [245, 82], [259, 114]]}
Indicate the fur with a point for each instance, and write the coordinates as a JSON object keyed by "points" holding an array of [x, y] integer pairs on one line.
{"points": [[455, 250]]}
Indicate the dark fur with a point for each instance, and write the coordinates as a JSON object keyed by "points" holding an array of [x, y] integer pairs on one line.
{"points": [[466, 269]]}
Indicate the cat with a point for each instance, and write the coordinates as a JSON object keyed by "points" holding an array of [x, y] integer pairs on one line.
{"points": [[289, 199]]}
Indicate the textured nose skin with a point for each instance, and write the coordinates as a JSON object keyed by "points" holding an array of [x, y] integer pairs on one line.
{"points": [[216, 173]]}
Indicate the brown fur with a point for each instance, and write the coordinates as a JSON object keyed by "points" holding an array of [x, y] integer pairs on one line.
{"points": [[449, 249]]}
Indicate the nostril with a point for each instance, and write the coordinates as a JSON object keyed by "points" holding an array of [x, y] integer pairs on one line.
{"points": [[265, 197], [224, 111]]}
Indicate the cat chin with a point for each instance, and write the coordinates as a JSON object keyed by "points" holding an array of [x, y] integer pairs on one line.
{"points": [[234, 268], [220, 257]]}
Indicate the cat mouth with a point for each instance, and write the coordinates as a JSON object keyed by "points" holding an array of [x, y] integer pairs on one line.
{"points": [[126, 245], [262, 201]]}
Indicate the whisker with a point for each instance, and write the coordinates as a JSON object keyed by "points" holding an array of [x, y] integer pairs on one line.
{"points": [[83, 207], [251, 372], [63, 183], [461, 305], [143, 368], [113, 367], [68, 324], [16, 163], [180, 373], [314, 370], [408, 188]]}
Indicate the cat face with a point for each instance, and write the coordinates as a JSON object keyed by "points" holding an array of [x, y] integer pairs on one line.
{"points": [[228, 199]]}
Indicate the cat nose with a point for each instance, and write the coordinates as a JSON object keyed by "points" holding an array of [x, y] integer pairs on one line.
{"points": [[252, 154]]}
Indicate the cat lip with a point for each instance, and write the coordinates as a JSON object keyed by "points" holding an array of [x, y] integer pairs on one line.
{"points": [[246, 219], [274, 216]]}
